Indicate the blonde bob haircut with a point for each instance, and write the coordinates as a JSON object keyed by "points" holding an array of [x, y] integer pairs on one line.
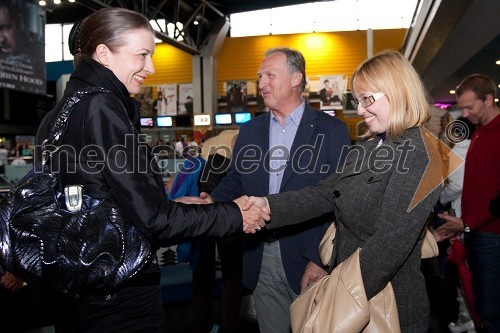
{"points": [[390, 73]]}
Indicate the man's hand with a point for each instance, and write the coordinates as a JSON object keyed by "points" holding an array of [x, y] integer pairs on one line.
{"points": [[451, 227], [205, 196], [11, 282], [254, 218], [312, 273], [260, 202]]}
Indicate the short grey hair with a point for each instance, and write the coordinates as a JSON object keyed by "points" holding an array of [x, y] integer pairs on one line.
{"points": [[295, 60]]}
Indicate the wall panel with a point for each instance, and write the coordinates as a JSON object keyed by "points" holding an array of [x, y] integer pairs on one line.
{"points": [[325, 53], [171, 65]]}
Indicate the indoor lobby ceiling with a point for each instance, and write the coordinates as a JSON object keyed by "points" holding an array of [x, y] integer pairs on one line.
{"points": [[448, 39]]}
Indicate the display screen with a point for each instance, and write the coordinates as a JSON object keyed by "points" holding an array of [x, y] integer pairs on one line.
{"points": [[201, 119], [258, 113], [164, 121], [183, 121], [242, 117], [330, 112], [223, 119], [347, 102], [147, 122]]}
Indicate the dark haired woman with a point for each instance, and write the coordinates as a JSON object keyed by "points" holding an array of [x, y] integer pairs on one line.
{"points": [[113, 49]]}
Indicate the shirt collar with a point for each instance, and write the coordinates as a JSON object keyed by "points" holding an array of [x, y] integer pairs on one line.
{"points": [[295, 116]]}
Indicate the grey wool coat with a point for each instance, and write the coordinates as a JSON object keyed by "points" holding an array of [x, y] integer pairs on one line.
{"points": [[379, 209]]}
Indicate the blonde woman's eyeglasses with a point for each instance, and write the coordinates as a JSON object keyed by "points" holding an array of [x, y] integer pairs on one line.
{"points": [[366, 101]]}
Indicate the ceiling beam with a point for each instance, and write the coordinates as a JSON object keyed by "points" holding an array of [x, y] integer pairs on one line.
{"points": [[182, 46]]}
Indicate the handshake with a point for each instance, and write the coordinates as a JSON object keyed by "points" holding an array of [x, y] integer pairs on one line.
{"points": [[254, 210]]}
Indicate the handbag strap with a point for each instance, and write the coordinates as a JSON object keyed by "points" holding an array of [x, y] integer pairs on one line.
{"points": [[61, 123]]}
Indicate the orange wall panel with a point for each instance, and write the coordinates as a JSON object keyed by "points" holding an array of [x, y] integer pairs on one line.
{"points": [[325, 53], [171, 66]]}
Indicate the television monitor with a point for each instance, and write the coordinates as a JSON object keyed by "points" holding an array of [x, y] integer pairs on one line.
{"points": [[183, 121], [347, 106], [164, 121], [330, 112], [223, 119], [147, 122], [201, 120], [242, 117], [258, 113]]}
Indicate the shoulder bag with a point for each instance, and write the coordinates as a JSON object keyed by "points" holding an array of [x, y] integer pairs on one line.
{"points": [[68, 241], [430, 248], [337, 302]]}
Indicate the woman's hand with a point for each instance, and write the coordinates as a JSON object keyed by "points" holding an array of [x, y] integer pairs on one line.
{"points": [[254, 217]]}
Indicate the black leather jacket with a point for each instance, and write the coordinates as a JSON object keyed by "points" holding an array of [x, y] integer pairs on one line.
{"points": [[103, 153]]}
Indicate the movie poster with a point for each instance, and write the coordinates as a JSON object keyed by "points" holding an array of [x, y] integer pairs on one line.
{"points": [[185, 99], [146, 101], [236, 96], [331, 92], [22, 46], [166, 103]]}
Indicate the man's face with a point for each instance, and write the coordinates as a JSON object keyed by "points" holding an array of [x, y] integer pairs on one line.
{"points": [[473, 108], [275, 83], [8, 43]]}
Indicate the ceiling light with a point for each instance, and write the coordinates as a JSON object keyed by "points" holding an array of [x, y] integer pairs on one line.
{"points": [[195, 22], [72, 0], [42, 3], [498, 62], [452, 92], [57, 2]]}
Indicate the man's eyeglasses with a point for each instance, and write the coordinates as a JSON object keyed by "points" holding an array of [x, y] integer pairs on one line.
{"points": [[366, 101]]}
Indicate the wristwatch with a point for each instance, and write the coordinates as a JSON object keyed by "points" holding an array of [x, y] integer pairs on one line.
{"points": [[466, 227]]}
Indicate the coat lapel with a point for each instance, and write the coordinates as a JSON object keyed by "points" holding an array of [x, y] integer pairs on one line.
{"points": [[358, 158], [261, 139]]}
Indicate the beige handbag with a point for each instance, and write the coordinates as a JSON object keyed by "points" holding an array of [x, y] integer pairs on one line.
{"points": [[429, 246], [325, 247], [337, 303]]}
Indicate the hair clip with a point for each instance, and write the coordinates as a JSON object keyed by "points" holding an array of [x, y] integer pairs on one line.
{"points": [[74, 38]]}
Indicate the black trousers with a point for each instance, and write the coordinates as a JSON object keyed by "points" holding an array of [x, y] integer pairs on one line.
{"points": [[137, 306], [231, 256], [20, 311]]}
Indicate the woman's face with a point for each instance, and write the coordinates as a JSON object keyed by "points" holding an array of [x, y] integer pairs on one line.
{"points": [[132, 63], [376, 115]]}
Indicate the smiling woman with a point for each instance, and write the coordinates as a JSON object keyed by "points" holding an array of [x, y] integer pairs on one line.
{"points": [[113, 49], [126, 52], [373, 193]]}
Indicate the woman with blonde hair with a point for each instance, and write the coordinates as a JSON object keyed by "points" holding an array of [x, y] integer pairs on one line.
{"points": [[382, 195]]}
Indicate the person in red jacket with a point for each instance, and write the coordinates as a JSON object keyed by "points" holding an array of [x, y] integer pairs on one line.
{"points": [[476, 98]]}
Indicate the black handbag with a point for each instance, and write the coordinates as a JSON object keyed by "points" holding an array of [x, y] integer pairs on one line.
{"points": [[67, 241]]}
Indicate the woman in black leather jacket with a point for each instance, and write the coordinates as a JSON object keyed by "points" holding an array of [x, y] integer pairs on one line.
{"points": [[103, 152]]}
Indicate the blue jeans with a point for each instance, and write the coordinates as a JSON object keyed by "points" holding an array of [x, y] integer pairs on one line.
{"points": [[483, 257]]}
